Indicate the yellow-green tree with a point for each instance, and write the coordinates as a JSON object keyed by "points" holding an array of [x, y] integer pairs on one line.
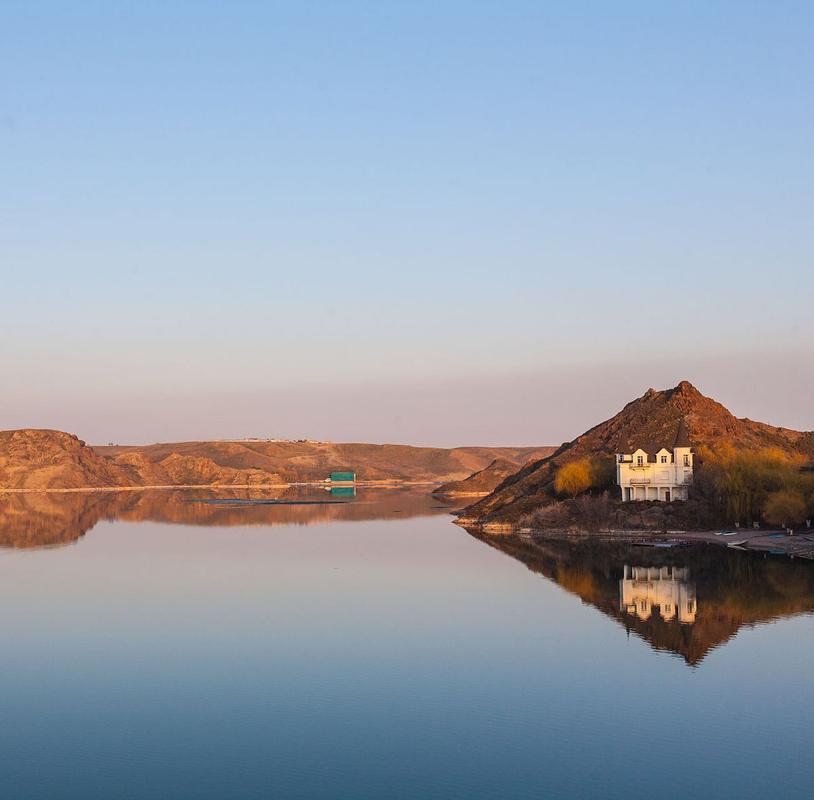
{"points": [[786, 507], [574, 477], [740, 481]]}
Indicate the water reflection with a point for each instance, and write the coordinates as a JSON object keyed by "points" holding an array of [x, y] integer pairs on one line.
{"points": [[664, 590], [40, 519], [687, 601]]}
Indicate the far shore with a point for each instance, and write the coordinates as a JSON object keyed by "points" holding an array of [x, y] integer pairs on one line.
{"points": [[385, 484]]}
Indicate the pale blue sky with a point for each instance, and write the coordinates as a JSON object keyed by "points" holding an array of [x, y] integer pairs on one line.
{"points": [[244, 203]]}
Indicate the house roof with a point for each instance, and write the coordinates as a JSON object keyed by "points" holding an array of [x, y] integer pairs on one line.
{"points": [[682, 436], [651, 454], [652, 448]]}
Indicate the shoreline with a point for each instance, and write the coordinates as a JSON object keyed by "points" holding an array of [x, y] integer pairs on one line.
{"points": [[455, 495], [384, 484], [769, 542]]}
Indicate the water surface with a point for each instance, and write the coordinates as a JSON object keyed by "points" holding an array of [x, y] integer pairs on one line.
{"points": [[154, 646]]}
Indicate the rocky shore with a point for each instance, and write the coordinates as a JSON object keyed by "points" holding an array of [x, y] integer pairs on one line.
{"points": [[776, 542]]}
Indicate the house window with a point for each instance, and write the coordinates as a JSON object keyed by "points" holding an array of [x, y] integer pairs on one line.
{"points": [[686, 461], [639, 460], [664, 459], [621, 459]]}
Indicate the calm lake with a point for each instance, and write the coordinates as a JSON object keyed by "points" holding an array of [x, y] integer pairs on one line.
{"points": [[160, 645]]}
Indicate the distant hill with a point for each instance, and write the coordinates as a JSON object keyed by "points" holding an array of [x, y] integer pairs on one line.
{"points": [[251, 462], [47, 459], [656, 419], [486, 480]]}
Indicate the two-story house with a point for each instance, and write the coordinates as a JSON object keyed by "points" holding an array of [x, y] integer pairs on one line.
{"points": [[649, 473]]}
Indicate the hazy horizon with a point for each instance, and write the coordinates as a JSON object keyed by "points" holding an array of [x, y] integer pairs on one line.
{"points": [[465, 224], [506, 410]]}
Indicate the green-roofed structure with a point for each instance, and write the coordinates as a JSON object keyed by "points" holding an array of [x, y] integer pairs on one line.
{"points": [[343, 477]]}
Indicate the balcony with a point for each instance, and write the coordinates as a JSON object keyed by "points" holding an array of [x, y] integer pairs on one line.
{"points": [[639, 481]]}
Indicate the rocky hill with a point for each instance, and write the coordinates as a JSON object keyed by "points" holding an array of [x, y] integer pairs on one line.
{"points": [[654, 420], [486, 480], [46, 459]]}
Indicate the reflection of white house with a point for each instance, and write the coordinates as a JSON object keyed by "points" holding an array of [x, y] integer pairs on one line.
{"points": [[666, 589], [651, 474]]}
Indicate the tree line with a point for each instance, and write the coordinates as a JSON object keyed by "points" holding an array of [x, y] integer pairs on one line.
{"points": [[735, 484]]}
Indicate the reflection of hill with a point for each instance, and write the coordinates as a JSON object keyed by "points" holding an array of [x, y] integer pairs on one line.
{"points": [[731, 589], [45, 520], [48, 520]]}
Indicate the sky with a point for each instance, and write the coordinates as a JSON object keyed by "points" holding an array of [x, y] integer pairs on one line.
{"points": [[436, 223]]}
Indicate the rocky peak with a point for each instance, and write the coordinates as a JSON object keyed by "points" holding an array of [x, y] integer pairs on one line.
{"points": [[685, 387], [656, 419]]}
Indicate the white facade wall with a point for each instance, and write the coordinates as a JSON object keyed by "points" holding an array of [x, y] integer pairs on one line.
{"points": [[666, 479]]}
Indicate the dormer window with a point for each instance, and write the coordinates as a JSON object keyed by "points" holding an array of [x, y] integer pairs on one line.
{"points": [[621, 459], [664, 459], [639, 461], [686, 460]]}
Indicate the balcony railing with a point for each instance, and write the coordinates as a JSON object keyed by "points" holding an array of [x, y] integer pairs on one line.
{"points": [[639, 481]]}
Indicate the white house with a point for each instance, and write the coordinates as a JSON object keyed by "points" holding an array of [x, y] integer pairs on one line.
{"points": [[656, 475]]}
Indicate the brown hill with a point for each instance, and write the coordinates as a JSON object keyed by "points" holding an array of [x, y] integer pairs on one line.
{"points": [[654, 420], [254, 462], [45, 459], [486, 480]]}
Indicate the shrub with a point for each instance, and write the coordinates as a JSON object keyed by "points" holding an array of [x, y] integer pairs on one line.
{"points": [[573, 478], [603, 472], [739, 482], [595, 513], [786, 507]]}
